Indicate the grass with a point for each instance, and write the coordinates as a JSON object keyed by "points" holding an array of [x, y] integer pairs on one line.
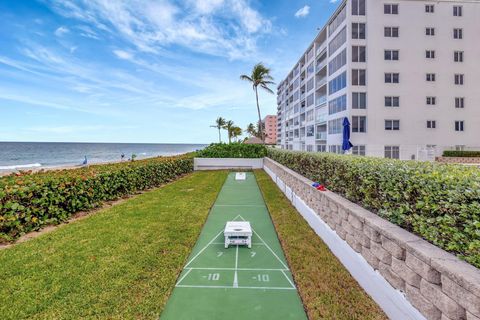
{"points": [[327, 289], [120, 263]]}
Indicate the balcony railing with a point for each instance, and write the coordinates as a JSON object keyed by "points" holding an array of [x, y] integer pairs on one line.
{"points": [[322, 118], [320, 100], [321, 136], [321, 82]]}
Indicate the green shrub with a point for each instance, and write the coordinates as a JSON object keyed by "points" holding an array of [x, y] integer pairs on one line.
{"points": [[233, 150], [463, 154], [30, 201], [440, 203]]}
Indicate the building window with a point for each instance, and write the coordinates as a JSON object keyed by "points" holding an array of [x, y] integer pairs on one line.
{"points": [[430, 54], [430, 31], [391, 54], [459, 126], [430, 8], [337, 21], [309, 148], [337, 83], [337, 42], [392, 101], [431, 124], [337, 105], [457, 33], [321, 148], [392, 77], [457, 11], [336, 63], [358, 7], [310, 131], [392, 125], [458, 56], [359, 124], [359, 54], [459, 103], [459, 79], [431, 101], [359, 77], [359, 100], [431, 77], [392, 152], [358, 150], [335, 126], [335, 149], [358, 31], [459, 147], [391, 32], [390, 8]]}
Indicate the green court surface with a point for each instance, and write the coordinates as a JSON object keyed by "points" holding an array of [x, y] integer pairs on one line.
{"points": [[236, 283]]}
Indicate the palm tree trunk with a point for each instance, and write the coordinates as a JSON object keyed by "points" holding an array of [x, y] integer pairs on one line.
{"points": [[260, 126], [219, 136]]}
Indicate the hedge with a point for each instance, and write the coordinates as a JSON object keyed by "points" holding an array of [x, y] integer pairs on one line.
{"points": [[440, 203], [30, 201], [462, 154], [233, 150]]}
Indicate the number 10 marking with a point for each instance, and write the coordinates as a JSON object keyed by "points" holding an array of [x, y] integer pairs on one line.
{"points": [[213, 276], [263, 278]]}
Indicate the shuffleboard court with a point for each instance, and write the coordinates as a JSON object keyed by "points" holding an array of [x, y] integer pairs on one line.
{"points": [[238, 282]]}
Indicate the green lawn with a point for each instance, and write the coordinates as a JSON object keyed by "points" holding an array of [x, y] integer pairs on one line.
{"points": [[120, 263], [327, 289]]}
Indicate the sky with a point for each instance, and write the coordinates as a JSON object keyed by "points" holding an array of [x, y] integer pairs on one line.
{"points": [[151, 71]]}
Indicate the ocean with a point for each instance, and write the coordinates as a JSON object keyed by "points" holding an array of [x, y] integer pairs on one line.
{"points": [[38, 155]]}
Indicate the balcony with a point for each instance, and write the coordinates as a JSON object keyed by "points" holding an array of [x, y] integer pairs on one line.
{"points": [[321, 136], [321, 82], [320, 66], [321, 118], [320, 100]]}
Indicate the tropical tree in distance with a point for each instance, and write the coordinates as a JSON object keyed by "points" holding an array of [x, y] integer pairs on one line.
{"points": [[253, 131], [229, 125], [236, 132], [219, 124], [260, 77]]}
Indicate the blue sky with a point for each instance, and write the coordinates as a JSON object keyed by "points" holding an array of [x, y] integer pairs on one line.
{"points": [[142, 70]]}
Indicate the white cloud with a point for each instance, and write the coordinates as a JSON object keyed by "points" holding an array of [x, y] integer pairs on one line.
{"points": [[217, 27], [302, 12], [61, 31], [123, 54]]}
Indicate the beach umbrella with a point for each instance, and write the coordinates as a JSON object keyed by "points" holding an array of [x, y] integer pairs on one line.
{"points": [[346, 144]]}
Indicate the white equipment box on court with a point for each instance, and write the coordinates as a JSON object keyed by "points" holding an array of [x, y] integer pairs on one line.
{"points": [[238, 233], [240, 176]]}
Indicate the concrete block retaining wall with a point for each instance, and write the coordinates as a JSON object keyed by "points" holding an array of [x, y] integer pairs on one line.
{"points": [[461, 160], [437, 283], [226, 163]]}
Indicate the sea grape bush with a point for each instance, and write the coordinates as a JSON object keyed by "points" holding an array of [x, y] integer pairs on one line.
{"points": [[463, 154], [32, 200], [440, 203], [233, 150]]}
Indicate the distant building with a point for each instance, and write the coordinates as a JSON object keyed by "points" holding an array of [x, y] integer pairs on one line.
{"points": [[405, 73], [253, 140], [270, 125]]}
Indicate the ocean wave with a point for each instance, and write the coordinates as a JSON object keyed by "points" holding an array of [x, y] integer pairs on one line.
{"points": [[21, 166]]}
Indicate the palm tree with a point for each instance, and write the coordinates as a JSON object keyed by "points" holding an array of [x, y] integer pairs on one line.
{"points": [[251, 130], [219, 124], [236, 132], [229, 125], [260, 77]]}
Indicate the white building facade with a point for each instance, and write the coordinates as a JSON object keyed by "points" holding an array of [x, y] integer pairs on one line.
{"points": [[406, 74]]}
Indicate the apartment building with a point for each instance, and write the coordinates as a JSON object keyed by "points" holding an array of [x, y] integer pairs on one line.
{"points": [[270, 125], [405, 73]]}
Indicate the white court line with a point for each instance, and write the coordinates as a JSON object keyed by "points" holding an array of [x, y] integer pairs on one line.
{"points": [[228, 287], [181, 279], [239, 269], [267, 246], [288, 279], [211, 241], [203, 249], [253, 244], [239, 205], [235, 279]]}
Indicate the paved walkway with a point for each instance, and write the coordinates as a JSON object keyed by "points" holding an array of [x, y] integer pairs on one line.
{"points": [[236, 283]]}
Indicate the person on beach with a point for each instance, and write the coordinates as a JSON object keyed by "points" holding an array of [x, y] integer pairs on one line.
{"points": [[122, 157], [85, 162]]}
